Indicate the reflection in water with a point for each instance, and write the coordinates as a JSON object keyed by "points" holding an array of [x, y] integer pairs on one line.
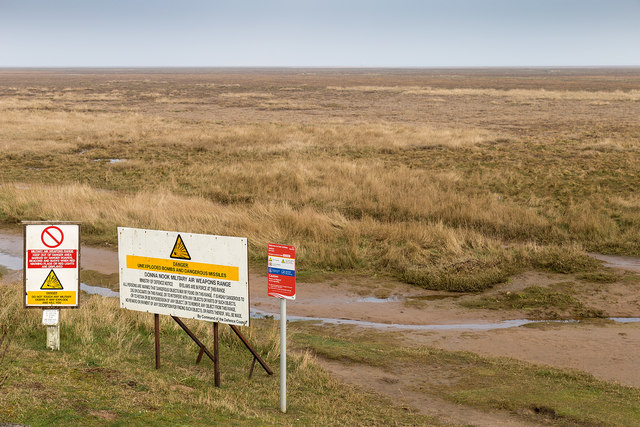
{"points": [[396, 298], [97, 290], [375, 300], [472, 326], [619, 261], [10, 262], [110, 160], [257, 314], [505, 324], [625, 319]]}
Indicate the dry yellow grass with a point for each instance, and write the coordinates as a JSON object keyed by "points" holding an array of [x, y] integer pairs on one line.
{"points": [[597, 97], [453, 194], [25, 125]]}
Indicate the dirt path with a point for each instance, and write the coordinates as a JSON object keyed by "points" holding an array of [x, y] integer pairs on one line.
{"points": [[399, 385], [609, 352]]}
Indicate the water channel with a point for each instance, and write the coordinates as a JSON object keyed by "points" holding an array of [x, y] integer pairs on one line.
{"points": [[11, 259]]}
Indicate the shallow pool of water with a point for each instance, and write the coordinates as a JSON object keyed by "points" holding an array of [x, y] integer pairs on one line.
{"points": [[375, 300], [98, 290], [434, 297], [10, 262], [619, 261], [505, 324], [110, 160], [258, 314], [396, 298]]}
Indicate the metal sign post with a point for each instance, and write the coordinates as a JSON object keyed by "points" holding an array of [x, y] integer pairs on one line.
{"points": [[281, 284], [283, 354]]}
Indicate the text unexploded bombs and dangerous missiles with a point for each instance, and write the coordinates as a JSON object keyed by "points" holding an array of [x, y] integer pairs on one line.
{"points": [[183, 267]]}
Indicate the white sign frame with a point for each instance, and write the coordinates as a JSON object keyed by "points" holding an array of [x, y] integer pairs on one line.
{"points": [[207, 279], [51, 250]]}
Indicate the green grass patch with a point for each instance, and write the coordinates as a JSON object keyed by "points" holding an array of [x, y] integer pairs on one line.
{"points": [[104, 375], [540, 302], [600, 277]]}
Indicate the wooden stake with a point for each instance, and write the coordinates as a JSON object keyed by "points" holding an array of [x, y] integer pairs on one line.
{"points": [[216, 354], [156, 320]]}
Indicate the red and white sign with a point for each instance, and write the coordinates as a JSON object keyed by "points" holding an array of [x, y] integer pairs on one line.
{"points": [[281, 275], [52, 264], [52, 258]]}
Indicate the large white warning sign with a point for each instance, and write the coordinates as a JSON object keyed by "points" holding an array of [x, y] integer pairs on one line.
{"points": [[196, 276], [51, 264]]}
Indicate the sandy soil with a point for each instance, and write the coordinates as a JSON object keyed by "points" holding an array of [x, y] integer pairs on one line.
{"points": [[608, 351], [399, 384], [605, 349]]}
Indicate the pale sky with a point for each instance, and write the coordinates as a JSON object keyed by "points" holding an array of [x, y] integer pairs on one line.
{"points": [[347, 33]]}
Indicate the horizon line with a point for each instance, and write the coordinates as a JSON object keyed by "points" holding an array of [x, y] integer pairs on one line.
{"points": [[347, 67]]}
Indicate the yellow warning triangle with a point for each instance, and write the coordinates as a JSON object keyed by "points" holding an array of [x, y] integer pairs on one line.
{"points": [[180, 250], [51, 282]]}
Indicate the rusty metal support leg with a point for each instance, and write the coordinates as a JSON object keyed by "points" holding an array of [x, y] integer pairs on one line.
{"points": [[156, 321], [253, 364], [203, 348], [200, 355], [255, 353], [216, 362]]}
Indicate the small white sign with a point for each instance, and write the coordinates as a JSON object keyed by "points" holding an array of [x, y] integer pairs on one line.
{"points": [[50, 317]]}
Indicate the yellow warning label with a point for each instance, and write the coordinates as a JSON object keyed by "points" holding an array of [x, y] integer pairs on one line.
{"points": [[52, 298], [189, 268], [51, 282], [179, 250]]}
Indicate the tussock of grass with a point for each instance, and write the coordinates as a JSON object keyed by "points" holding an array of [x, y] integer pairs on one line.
{"points": [[539, 302], [567, 259], [600, 277], [463, 276]]}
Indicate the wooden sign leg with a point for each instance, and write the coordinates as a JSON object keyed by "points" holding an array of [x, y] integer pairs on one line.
{"points": [[156, 319]]}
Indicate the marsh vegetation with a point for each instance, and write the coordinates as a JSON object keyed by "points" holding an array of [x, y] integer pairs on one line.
{"points": [[494, 184], [449, 180]]}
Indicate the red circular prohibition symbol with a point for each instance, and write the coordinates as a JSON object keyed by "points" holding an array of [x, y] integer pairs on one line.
{"points": [[52, 237]]}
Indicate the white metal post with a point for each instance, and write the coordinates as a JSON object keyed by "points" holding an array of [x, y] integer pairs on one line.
{"points": [[283, 354]]}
